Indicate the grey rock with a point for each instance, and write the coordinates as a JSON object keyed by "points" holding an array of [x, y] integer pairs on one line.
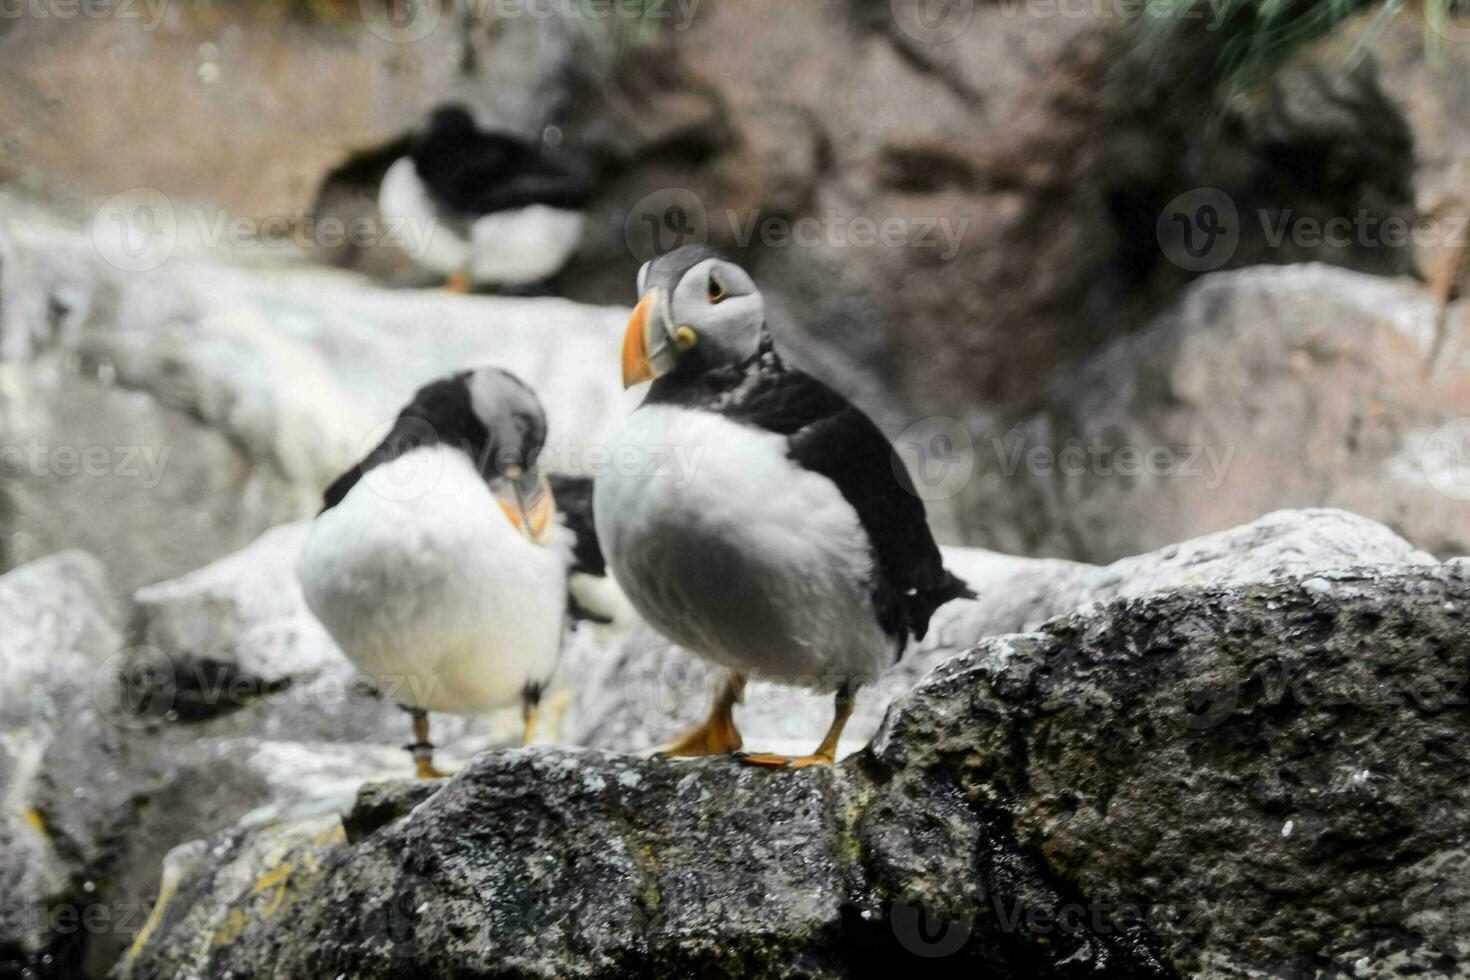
{"points": [[1126, 792], [246, 611], [197, 787], [147, 489], [1246, 771], [1345, 375], [61, 786]]}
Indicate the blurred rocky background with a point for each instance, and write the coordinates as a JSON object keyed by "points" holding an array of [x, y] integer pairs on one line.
{"points": [[1172, 339]]}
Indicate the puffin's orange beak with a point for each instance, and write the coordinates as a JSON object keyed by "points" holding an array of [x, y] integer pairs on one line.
{"points": [[529, 505], [636, 368]]}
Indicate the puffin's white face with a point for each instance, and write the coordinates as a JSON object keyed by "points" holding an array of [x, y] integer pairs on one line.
{"points": [[698, 316]]}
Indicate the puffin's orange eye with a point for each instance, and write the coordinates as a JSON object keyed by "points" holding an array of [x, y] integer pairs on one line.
{"points": [[716, 290]]}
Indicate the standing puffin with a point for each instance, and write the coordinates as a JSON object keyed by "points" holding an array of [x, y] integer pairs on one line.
{"points": [[789, 543], [436, 563], [490, 208]]}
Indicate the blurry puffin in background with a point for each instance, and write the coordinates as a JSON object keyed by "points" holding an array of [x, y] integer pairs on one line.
{"points": [[439, 563], [491, 209], [795, 549]]}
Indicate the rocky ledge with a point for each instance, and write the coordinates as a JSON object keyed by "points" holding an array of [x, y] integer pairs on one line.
{"points": [[1244, 780]]}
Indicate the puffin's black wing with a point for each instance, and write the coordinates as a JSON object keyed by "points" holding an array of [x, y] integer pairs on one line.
{"points": [[831, 436], [574, 502], [440, 412]]}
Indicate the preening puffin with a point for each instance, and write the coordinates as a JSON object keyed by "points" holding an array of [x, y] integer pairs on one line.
{"points": [[439, 564], [490, 208], [795, 548]]}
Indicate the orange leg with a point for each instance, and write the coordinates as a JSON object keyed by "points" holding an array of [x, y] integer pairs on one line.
{"points": [[423, 749], [826, 753], [530, 711], [718, 735], [458, 283]]}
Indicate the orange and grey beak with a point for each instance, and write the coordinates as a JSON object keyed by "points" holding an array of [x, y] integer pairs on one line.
{"points": [[526, 499], [648, 346]]}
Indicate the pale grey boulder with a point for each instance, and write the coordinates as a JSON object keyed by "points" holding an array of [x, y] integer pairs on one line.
{"points": [[245, 611], [1301, 385], [63, 785]]}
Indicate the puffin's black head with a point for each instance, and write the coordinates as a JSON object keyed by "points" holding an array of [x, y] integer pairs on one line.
{"points": [[498, 421], [452, 119], [697, 310]]}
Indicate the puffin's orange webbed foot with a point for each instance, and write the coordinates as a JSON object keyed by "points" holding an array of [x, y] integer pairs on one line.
{"points": [[425, 769], [826, 753], [718, 735]]}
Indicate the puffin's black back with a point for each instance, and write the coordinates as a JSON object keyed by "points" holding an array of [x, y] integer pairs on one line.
{"points": [[829, 435], [479, 172], [439, 414]]}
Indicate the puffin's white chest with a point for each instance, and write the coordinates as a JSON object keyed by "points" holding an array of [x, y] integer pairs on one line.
{"points": [[524, 245], [731, 549], [429, 590]]}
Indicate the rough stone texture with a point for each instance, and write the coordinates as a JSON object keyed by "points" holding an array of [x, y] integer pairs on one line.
{"points": [[641, 690], [1049, 151], [60, 787], [1337, 374], [202, 786], [1239, 781], [1269, 772]]}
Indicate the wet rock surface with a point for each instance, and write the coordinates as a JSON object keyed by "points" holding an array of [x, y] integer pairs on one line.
{"points": [[1224, 781]]}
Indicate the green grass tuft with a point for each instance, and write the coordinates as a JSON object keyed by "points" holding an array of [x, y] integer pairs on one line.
{"points": [[1243, 41]]}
